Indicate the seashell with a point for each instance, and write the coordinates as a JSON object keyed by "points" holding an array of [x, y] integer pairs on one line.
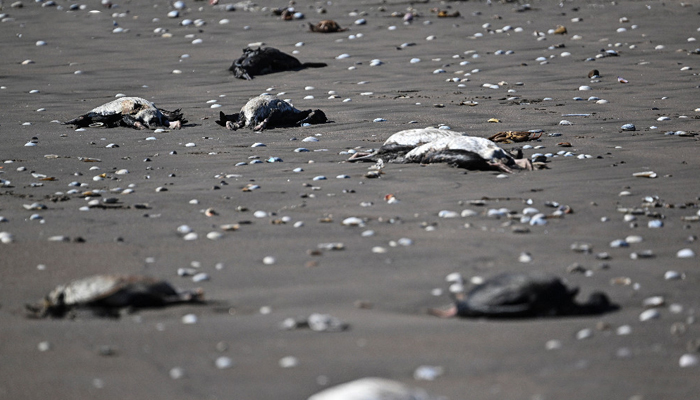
{"points": [[448, 214], [622, 80], [685, 253], [427, 372], [594, 74], [628, 127], [650, 314], [619, 243], [353, 221], [269, 260], [673, 275], [645, 174], [689, 360], [654, 301], [223, 362], [288, 362]]}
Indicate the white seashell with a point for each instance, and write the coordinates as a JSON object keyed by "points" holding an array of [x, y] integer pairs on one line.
{"points": [[189, 319], [584, 334], [689, 360], [672, 275], [214, 235], [565, 122], [448, 214], [223, 362], [663, 119], [619, 243], [427, 372], [288, 362], [269, 260], [173, 14], [342, 56], [645, 174], [6, 237], [552, 345], [177, 373], [353, 221], [685, 253], [623, 330], [525, 258], [191, 236], [649, 315], [655, 223], [633, 238]]}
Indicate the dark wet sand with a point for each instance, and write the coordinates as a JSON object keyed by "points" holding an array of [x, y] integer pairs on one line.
{"points": [[481, 359]]}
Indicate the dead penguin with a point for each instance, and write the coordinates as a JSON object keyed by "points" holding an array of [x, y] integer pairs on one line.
{"points": [[470, 152], [266, 60], [106, 295], [519, 295], [133, 112], [326, 26], [266, 111], [400, 143]]}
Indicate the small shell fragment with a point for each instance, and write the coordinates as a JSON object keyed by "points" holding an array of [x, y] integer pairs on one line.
{"points": [[645, 174]]}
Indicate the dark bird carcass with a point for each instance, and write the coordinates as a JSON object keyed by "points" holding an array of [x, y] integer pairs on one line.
{"points": [[132, 112], [522, 295], [267, 60], [107, 295], [266, 111]]}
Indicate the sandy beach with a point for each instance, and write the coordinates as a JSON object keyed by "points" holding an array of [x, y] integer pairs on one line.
{"points": [[633, 237]]}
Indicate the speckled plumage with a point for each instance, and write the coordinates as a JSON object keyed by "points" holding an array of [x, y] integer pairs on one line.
{"points": [[106, 294], [266, 111], [134, 112]]}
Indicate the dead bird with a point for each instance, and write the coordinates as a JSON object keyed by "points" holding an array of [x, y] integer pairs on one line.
{"points": [[107, 295], [267, 60], [431, 145], [400, 143], [522, 295], [133, 112], [266, 111], [460, 150]]}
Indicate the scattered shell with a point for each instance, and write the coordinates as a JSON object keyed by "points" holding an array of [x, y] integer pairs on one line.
{"points": [[427, 372], [649, 315], [645, 174], [628, 127], [223, 362], [689, 360], [685, 253], [288, 362], [189, 319]]}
